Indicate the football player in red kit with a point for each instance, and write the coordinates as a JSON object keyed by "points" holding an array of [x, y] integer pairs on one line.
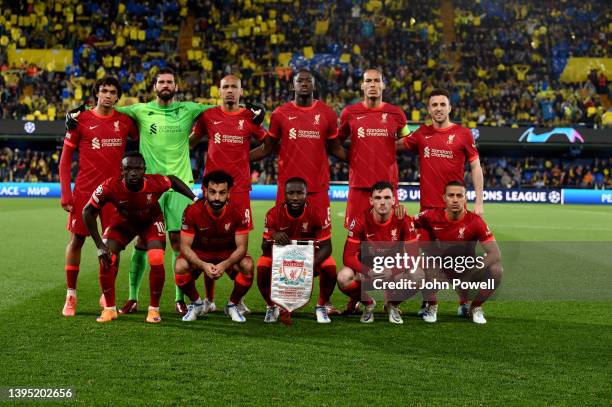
{"points": [[135, 195], [456, 232], [295, 219], [229, 129], [214, 241], [100, 138], [378, 224]]}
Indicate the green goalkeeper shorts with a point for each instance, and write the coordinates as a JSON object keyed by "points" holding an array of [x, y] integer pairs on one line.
{"points": [[173, 205]]}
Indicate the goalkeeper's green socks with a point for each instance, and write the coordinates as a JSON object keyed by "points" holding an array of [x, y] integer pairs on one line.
{"points": [[138, 265], [178, 293]]}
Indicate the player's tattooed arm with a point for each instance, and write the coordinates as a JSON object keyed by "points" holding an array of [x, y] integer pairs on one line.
{"points": [[180, 187], [194, 139], [242, 244], [323, 251], [90, 213], [264, 149], [492, 253], [335, 147]]}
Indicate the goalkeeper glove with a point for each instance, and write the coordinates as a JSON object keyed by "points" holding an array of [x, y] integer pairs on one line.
{"points": [[259, 113], [71, 117]]}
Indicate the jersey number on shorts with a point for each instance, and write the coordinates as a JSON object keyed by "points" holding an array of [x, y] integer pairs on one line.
{"points": [[161, 228]]}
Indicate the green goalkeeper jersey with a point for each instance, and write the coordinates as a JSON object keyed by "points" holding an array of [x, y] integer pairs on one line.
{"points": [[164, 135]]}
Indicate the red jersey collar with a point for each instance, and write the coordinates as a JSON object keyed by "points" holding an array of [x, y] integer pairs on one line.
{"points": [[314, 103], [212, 215], [232, 113], [299, 217], [449, 128], [99, 116], [144, 185], [377, 222], [455, 221], [382, 104]]}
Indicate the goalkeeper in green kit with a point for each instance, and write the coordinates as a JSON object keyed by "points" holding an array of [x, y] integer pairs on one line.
{"points": [[164, 125]]}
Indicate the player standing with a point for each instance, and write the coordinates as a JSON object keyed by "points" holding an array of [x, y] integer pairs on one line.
{"points": [[214, 240], [443, 149], [379, 224], [100, 139], [136, 196], [229, 131], [295, 219], [455, 223]]}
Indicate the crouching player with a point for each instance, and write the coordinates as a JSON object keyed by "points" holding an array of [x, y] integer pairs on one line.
{"points": [[294, 219], [214, 240], [456, 232], [378, 224], [135, 195]]}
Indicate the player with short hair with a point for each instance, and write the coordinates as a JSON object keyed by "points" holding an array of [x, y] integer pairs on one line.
{"points": [[295, 219], [457, 231], [378, 224], [443, 148], [229, 130], [136, 196], [214, 240], [100, 138]]}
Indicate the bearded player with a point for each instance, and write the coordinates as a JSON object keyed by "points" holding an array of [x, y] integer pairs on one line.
{"points": [[457, 230], [136, 196], [378, 224], [295, 219], [443, 148], [306, 130], [100, 139], [214, 241], [229, 131]]}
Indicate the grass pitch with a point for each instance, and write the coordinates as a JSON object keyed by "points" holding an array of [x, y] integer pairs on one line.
{"points": [[530, 352]]}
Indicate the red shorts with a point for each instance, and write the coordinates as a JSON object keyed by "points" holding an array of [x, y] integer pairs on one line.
{"points": [[318, 199], [358, 202], [75, 217], [123, 231], [423, 234], [242, 200]]}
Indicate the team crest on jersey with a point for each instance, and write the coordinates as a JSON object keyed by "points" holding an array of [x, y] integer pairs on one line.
{"points": [[217, 138], [304, 226], [317, 118], [461, 233], [383, 117], [95, 143], [394, 234], [451, 138], [227, 226], [116, 124], [241, 125]]}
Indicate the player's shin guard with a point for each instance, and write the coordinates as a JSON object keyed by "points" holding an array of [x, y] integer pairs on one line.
{"points": [[138, 265], [242, 283], [107, 277], [327, 280], [157, 276], [264, 278], [178, 293], [72, 272], [209, 287], [187, 285]]}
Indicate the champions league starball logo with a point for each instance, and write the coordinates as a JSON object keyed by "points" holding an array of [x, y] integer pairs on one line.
{"points": [[554, 197], [529, 136]]}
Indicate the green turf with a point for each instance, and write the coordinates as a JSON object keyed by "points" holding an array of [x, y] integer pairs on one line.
{"points": [[530, 352]]}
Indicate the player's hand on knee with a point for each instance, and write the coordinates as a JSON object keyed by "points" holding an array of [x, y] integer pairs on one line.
{"points": [[104, 255], [281, 238], [259, 113], [72, 116]]}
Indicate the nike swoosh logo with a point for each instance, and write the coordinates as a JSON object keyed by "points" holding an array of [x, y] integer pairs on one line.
{"points": [[369, 235], [122, 202], [292, 117], [426, 137], [360, 117], [435, 228], [220, 121], [285, 228], [203, 229], [93, 127]]}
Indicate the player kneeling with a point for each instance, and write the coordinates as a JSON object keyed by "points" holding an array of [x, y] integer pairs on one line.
{"points": [[214, 240], [375, 225], [456, 232], [135, 195], [294, 219]]}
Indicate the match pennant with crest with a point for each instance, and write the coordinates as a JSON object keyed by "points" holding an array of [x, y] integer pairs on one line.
{"points": [[292, 274]]}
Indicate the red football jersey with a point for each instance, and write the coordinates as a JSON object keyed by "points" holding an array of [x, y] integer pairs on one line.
{"points": [[229, 142], [313, 224], [442, 155], [214, 234], [303, 133], [139, 207], [469, 228], [101, 143], [365, 228], [372, 133]]}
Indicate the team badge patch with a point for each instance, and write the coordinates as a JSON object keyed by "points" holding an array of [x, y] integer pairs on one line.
{"points": [[292, 275]]}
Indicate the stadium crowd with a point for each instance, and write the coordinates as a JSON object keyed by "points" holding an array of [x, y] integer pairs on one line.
{"points": [[502, 67], [499, 172]]}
